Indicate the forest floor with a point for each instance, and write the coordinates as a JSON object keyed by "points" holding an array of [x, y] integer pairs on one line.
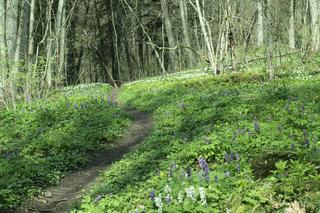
{"points": [[63, 197]]}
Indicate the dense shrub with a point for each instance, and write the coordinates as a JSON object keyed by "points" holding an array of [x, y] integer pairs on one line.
{"points": [[42, 140]]}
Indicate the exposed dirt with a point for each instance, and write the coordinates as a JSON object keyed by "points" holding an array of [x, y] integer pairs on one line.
{"points": [[61, 198]]}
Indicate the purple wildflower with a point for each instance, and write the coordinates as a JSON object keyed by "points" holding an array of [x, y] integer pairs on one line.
{"points": [[257, 127], [173, 167], [226, 157], [152, 195], [203, 164], [189, 173], [238, 168], [205, 167], [9, 155]]}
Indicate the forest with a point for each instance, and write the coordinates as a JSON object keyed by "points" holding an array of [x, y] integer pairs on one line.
{"points": [[141, 106]]}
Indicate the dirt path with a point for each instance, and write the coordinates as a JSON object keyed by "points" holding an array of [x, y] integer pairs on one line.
{"points": [[61, 198]]}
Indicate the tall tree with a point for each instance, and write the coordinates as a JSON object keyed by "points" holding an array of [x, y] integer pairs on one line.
{"points": [[185, 27], [260, 23], [269, 24], [207, 36], [292, 40], [3, 48], [314, 13], [169, 31]]}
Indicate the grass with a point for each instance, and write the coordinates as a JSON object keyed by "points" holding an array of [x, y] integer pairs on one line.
{"points": [[234, 142], [42, 141]]}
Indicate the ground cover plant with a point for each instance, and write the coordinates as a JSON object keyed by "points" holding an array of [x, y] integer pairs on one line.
{"points": [[231, 143], [42, 140]]}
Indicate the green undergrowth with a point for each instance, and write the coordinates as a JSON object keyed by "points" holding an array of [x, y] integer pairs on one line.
{"points": [[41, 141], [232, 143]]}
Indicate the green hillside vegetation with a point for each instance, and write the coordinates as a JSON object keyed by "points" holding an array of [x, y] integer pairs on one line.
{"points": [[228, 143], [42, 141]]}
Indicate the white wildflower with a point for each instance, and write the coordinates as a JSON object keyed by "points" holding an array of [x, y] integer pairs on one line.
{"points": [[203, 196], [168, 199], [228, 210], [158, 203], [167, 189], [180, 198], [191, 193]]}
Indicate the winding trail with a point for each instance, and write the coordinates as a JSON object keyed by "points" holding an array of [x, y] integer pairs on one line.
{"points": [[61, 198]]}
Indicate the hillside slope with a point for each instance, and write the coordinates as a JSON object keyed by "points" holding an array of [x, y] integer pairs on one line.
{"points": [[232, 143]]}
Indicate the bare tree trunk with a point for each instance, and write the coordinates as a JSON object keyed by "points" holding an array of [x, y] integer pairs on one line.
{"points": [[49, 46], [12, 26], [269, 58], [3, 48], [292, 40], [60, 30], [184, 20], [206, 34], [31, 32], [169, 32], [30, 51], [17, 54], [231, 35], [222, 47], [116, 45], [16, 60], [260, 24], [314, 13]]}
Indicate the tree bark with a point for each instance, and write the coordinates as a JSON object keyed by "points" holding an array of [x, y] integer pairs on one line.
{"points": [[49, 46], [12, 27], [292, 40], [3, 48], [270, 66], [185, 26], [169, 32], [60, 36], [260, 24], [314, 13], [31, 32], [206, 34]]}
